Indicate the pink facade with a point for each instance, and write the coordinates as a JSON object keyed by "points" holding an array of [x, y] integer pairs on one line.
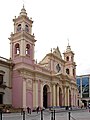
{"points": [[35, 84], [29, 99], [17, 89]]}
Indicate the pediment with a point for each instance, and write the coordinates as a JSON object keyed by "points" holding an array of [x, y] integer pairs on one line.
{"points": [[57, 52]]}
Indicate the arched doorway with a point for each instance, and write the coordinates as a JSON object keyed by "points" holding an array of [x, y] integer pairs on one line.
{"points": [[1, 98], [85, 103], [69, 98], [60, 97], [45, 96]]}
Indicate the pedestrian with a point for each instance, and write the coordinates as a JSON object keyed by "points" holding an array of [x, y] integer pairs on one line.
{"points": [[21, 111], [28, 110], [37, 109]]}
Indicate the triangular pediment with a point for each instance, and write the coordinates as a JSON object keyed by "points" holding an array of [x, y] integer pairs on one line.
{"points": [[57, 52], [46, 61]]}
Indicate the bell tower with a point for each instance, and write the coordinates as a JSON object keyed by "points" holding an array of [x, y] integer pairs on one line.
{"points": [[22, 41], [70, 65]]}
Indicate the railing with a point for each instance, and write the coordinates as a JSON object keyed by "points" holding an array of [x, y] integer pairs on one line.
{"points": [[44, 115]]}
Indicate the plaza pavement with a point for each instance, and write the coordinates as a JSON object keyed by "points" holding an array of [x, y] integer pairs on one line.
{"points": [[83, 114]]}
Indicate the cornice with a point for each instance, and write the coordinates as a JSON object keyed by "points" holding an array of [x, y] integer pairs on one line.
{"points": [[70, 63], [53, 57], [6, 63], [22, 35], [22, 18]]}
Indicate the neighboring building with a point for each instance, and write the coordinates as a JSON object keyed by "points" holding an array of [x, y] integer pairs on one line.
{"points": [[5, 81], [51, 82], [83, 83]]}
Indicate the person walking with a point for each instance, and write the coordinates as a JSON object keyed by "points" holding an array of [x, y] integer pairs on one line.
{"points": [[37, 109], [21, 111], [28, 109]]}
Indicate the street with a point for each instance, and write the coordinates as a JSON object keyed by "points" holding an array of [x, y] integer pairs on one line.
{"points": [[59, 115]]}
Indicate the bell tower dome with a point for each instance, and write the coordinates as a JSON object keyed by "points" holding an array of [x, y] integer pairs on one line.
{"points": [[22, 41]]}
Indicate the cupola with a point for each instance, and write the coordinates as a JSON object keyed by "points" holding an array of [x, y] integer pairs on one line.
{"points": [[23, 12]]}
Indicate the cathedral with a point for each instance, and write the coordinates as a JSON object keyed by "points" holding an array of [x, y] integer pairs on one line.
{"points": [[26, 83]]}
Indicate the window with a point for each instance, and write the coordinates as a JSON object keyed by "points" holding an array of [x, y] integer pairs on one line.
{"points": [[67, 71], [78, 84], [73, 72], [67, 58], [28, 49], [1, 79], [19, 27], [58, 68], [17, 49], [85, 87], [26, 28]]}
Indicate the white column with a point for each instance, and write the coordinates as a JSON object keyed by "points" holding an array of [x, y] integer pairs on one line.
{"points": [[34, 98], [58, 97], [65, 96], [35, 94], [74, 97], [68, 96], [41, 95], [24, 93], [54, 95], [51, 97], [11, 50], [71, 97]]}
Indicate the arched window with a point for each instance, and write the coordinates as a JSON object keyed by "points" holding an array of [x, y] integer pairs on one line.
{"points": [[73, 72], [27, 49], [67, 71], [26, 28], [1, 79], [19, 27], [67, 58], [17, 49]]}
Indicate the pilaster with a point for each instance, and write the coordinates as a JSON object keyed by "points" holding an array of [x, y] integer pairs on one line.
{"points": [[54, 95], [24, 93], [41, 95], [65, 96], [68, 96], [22, 47], [58, 95], [35, 93]]}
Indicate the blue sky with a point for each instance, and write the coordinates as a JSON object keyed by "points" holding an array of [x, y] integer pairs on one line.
{"points": [[55, 21]]}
